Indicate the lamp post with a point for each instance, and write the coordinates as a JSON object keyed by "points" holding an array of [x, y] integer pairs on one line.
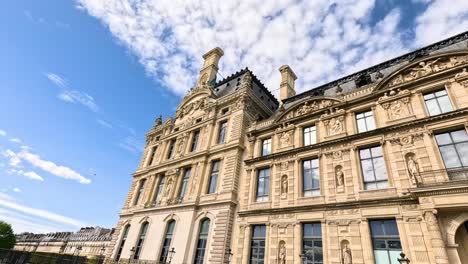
{"points": [[170, 255], [228, 255], [132, 254], [403, 259]]}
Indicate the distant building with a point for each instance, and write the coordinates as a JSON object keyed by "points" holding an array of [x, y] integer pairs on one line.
{"points": [[353, 171], [88, 241]]}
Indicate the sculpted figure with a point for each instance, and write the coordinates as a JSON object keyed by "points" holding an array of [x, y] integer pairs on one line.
{"points": [[169, 188], [282, 253], [284, 140], [462, 73], [339, 176], [413, 166], [284, 185], [158, 121], [395, 109], [347, 255], [336, 127]]}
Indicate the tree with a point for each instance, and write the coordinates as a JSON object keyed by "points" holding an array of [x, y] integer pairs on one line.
{"points": [[7, 237]]}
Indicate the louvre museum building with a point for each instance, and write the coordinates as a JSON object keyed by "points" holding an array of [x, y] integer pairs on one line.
{"points": [[357, 170]]}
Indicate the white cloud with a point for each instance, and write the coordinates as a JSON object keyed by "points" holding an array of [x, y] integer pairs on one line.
{"points": [[321, 40], [18, 190], [52, 168], [56, 79], [39, 213], [72, 96], [13, 159], [104, 123], [441, 19], [16, 140], [131, 144], [28, 174], [3, 132]]}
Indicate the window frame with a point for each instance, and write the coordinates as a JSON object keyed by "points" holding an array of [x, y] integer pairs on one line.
{"points": [[375, 181], [165, 248], [140, 240], [152, 155], [123, 239], [365, 118], [195, 138], [184, 183], [310, 133], [436, 99], [452, 144], [268, 143], [200, 259], [160, 188], [258, 241], [312, 239], [170, 150], [312, 169], [214, 174], [141, 189], [222, 129], [266, 185], [386, 238]]}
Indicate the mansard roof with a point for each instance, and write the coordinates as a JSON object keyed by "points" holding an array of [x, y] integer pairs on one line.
{"points": [[382, 70]]}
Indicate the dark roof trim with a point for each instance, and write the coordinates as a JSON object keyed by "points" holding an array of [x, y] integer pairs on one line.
{"points": [[406, 57], [254, 78]]}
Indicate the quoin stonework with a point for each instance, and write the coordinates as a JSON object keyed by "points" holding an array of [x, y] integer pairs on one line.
{"points": [[354, 171]]}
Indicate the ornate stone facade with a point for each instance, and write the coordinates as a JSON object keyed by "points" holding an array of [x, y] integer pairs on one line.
{"points": [[316, 175]]}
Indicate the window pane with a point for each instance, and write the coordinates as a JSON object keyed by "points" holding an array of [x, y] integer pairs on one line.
{"points": [[433, 107], [381, 257], [463, 152], [367, 170], [440, 93], [376, 152], [450, 156], [443, 139], [445, 104], [364, 153], [376, 228], [379, 168], [361, 123], [459, 136], [370, 123], [390, 227]]}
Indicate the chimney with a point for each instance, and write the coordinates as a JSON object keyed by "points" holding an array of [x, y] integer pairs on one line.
{"points": [[210, 66], [287, 82]]}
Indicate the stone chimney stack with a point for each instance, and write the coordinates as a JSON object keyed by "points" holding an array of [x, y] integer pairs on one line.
{"points": [[287, 82], [210, 66]]}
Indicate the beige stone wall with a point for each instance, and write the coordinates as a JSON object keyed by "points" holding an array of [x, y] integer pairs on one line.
{"points": [[404, 129]]}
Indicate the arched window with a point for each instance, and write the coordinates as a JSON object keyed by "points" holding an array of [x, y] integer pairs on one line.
{"points": [[122, 242], [141, 239], [167, 241], [202, 241]]}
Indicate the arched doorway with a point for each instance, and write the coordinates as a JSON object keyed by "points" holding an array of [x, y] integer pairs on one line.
{"points": [[461, 239]]}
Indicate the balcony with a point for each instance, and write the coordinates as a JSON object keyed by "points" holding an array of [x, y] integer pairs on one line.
{"points": [[445, 176]]}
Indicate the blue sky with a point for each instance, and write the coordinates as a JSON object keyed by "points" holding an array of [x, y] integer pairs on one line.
{"points": [[82, 81]]}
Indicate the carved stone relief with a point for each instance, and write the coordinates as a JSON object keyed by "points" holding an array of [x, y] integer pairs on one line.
{"points": [[427, 67], [284, 187], [309, 107], [397, 105]]}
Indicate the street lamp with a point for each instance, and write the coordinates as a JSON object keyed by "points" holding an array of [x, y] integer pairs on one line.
{"points": [[228, 255], [170, 255], [403, 259]]}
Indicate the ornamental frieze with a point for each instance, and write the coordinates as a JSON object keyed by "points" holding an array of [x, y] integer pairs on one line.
{"points": [[426, 68], [309, 107], [406, 137]]}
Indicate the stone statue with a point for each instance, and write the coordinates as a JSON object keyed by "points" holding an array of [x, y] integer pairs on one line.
{"points": [[462, 73], [180, 147], [413, 166], [282, 253], [305, 108], [158, 121], [339, 176], [336, 127], [395, 109], [284, 139], [169, 188], [284, 185], [347, 255]]}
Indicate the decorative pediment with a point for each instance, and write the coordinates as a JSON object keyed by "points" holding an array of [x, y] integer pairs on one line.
{"points": [[423, 68], [308, 106], [197, 98]]}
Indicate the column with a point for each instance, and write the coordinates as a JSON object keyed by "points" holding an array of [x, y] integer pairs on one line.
{"points": [[437, 242]]}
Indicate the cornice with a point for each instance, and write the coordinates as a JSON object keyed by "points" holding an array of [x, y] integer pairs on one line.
{"points": [[378, 131], [331, 206], [443, 188]]}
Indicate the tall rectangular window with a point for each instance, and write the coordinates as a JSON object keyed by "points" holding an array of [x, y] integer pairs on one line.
{"points": [[312, 243], [373, 168], [160, 188], [171, 149], [222, 132], [454, 148], [365, 121], [311, 177], [385, 241], [310, 136], [257, 245], [266, 147], [263, 184], [141, 188], [213, 182], [122, 242], [195, 137], [183, 186], [438, 102], [151, 158], [202, 241], [167, 242], [141, 239]]}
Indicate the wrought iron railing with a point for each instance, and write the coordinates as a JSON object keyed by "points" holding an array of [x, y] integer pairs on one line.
{"points": [[436, 177]]}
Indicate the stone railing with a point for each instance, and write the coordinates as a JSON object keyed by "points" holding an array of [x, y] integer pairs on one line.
{"points": [[436, 177]]}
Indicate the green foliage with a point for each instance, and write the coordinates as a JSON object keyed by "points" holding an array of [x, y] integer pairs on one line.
{"points": [[93, 260], [7, 237]]}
